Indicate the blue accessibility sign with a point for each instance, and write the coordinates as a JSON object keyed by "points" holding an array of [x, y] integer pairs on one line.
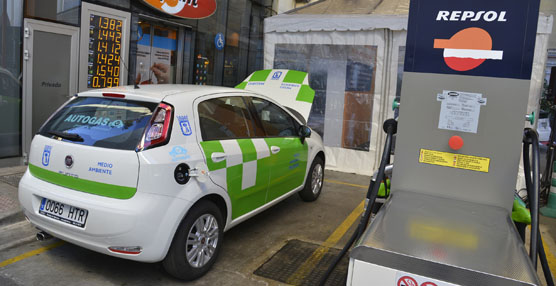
{"points": [[219, 41], [494, 38]]}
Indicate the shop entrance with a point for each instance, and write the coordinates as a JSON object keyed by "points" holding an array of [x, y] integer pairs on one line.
{"points": [[50, 53], [161, 48]]}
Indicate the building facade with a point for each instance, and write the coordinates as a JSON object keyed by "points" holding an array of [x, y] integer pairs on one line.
{"points": [[51, 49]]}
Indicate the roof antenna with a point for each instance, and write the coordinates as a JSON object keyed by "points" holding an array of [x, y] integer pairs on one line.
{"points": [[135, 85]]}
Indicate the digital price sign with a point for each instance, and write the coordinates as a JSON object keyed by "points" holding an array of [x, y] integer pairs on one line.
{"points": [[105, 45]]}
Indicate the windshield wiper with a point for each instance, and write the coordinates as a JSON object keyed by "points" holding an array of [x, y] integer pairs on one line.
{"points": [[68, 136]]}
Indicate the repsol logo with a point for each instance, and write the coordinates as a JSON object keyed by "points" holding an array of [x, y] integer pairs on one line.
{"points": [[471, 16]]}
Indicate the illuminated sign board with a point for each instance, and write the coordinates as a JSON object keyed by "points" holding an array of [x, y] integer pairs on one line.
{"points": [[105, 44], [103, 47], [189, 9], [494, 38]]}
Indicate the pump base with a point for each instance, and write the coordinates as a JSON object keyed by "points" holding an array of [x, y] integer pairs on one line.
{"points": [[422, 238]]}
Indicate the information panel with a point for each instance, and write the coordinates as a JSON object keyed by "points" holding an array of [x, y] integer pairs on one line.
{"points": [[105, 44]]}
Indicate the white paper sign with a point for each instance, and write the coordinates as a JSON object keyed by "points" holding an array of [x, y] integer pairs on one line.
{"points": [[409, 279], [459, 111]]}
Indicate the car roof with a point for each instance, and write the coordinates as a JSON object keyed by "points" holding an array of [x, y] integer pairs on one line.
{"points": [[157, 92]]}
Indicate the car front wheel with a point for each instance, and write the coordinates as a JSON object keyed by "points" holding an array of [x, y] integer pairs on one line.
{"points": [[196, 243], [314, 182]]}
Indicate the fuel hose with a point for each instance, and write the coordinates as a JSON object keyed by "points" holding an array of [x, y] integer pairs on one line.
{"points": [[390, 126], [532, 183]]}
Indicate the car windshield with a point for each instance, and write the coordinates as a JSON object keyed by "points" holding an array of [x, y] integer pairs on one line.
{"points": [[100, 122]]}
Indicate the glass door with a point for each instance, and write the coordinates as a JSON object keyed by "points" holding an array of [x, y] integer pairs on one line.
{"points": [[157, 54]]}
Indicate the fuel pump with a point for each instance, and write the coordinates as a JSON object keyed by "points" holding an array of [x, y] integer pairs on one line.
{"points": [[459, 137]]}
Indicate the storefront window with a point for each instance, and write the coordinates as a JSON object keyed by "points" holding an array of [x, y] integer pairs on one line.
{"points": [[124, 4], [256, 39], [156, 54], [205, 50], [10, 77], [343, 79], [64, 11], [233, 38]]}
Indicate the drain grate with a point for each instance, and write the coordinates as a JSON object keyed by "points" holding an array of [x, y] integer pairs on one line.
{"points": [[282, 265]]}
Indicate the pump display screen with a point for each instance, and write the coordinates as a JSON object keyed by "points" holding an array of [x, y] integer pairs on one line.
{"points": [[105, 42]]}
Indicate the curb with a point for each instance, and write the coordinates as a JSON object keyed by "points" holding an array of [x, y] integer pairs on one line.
{"points": [[12, 217], [19, 242]]}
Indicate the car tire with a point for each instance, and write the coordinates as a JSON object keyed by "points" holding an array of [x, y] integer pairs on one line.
{"points": [[184, 259], [314, 182]]}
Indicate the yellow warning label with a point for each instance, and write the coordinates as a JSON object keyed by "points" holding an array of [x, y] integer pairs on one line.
{"points": [[441, 234], [459, 161]]}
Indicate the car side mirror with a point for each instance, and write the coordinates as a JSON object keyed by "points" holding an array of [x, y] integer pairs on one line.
{"points": [[304, 132]]}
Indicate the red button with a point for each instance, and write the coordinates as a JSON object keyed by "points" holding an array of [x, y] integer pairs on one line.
{"points": [[455, 142]]}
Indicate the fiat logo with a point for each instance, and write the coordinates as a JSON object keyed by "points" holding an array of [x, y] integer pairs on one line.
{"points": [[69, 161]]}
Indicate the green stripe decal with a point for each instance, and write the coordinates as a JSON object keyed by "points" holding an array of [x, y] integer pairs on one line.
{"points": [[242, 85], [295, 77], [260, 75], [306, 94], [247, 149], [210, 147], [91, 187]]}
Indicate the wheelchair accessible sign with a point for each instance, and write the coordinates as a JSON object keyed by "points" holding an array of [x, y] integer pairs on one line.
{"points": [[494, 38], [219, 41]]}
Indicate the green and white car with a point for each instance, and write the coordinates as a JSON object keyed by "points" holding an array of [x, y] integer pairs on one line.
{"points": [[158, 173]]}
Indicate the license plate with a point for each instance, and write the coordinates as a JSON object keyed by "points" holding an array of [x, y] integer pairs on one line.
{"points": [[63, 212]]}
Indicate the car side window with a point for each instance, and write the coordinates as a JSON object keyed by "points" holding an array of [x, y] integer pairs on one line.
{"points": [[276, 122], [225, 118]]}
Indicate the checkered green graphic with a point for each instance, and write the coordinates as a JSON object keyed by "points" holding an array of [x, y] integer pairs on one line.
{"points": [[246, 167], [244, 171]]}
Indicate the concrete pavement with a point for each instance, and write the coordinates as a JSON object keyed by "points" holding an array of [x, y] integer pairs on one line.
{"points": [[246, 246]]}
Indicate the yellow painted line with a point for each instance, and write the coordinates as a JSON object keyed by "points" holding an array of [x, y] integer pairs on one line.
{"points": [[550, 258], [30, 253], [344, 183], [318, 254]]}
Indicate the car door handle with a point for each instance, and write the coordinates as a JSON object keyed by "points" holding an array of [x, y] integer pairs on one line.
{"points": [[218, 157], [274, 149]]}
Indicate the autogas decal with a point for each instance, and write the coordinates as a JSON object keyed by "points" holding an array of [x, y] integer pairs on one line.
{"points": [[92, 120], [458, 161], [102, 168], [184, 125], [178, 153], [71, 181], [189, 9], [493, 38], [46, 155]]}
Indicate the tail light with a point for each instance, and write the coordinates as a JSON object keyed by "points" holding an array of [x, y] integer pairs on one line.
{"points": [[158, 130]]}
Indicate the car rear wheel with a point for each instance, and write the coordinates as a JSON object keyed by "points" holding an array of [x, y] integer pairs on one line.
{"points": [[196, 243], [313, 184]]}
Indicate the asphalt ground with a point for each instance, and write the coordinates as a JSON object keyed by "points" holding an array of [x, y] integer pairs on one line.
{"points": [[312, 231], [328, 221]]}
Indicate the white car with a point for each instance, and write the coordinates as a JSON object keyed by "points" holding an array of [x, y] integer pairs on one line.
{"points": [[158, 173]]}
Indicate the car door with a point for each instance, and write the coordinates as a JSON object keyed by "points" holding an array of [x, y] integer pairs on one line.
{"points": [[288, 153], [236, 159]]}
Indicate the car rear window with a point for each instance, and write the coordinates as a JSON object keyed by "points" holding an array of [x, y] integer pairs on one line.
{"points": [[100, 122]]}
